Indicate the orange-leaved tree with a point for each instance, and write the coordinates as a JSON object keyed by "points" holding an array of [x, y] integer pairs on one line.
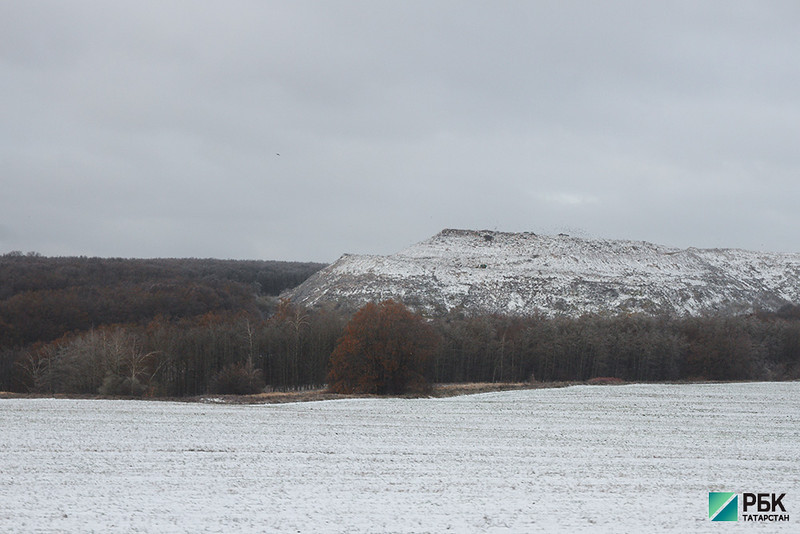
{"points": [[383, 350]]}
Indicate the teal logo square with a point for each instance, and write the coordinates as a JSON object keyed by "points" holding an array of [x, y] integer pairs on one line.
{"points": [[723, 506]]}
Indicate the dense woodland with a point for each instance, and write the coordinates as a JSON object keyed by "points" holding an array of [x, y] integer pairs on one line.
{"points": [[41, 299], [191, 327]]}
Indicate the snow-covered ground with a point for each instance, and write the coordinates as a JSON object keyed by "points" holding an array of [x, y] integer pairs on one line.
{"points": [[636, 458]]}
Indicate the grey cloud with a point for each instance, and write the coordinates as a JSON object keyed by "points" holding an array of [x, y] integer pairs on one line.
{"points": [[144, 129]]}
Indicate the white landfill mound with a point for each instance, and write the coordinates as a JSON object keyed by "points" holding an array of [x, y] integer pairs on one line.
{"points": [[525, 274]]}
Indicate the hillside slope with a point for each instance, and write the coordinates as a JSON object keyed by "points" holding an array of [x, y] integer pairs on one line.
{"points": [[525, 273]]}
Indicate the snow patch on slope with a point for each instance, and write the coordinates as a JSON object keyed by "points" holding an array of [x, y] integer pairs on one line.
{"points": [[524, 273]]}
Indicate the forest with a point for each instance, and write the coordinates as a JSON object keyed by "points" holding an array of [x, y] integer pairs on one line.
{"points": [[173, 328]]}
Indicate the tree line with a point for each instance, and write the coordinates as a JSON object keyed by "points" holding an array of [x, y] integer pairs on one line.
{"points": [[182, 327], [236, 351], [183, 357], [764, 346]]}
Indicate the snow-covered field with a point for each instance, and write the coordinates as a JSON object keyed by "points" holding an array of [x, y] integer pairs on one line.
{"points": [[636, 458]]}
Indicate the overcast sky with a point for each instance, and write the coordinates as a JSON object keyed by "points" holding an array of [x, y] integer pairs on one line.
{"points": [[303, 130]]}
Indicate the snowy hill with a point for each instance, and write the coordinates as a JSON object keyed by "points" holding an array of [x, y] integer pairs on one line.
{"points": [[525, 273]]}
